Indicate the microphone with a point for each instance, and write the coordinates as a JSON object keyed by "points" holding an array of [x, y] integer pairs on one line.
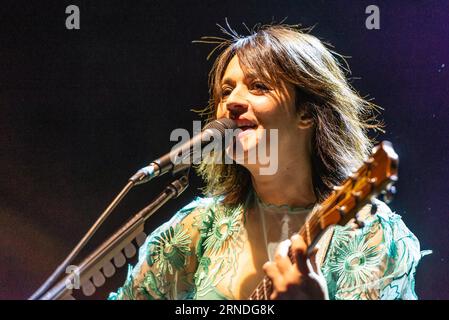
{"points": [[175, 160]]}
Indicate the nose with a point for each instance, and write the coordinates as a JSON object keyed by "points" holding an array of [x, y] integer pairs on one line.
{"points": [[236, 105]]}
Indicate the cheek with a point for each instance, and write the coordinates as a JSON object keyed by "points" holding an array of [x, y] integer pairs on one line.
{"points": [[279, 109], [270, 112]]}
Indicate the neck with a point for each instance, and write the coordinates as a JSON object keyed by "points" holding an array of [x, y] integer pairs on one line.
{"points": [[291, 185]]}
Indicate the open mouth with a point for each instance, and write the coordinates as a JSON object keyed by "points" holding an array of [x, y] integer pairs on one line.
{"points": [[244, 128], [245, 124]]}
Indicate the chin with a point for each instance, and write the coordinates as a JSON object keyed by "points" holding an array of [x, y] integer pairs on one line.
{"points": [[244, 151]]}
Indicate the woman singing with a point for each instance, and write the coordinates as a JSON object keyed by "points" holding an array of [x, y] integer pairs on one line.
{"points": [[220, 246]]}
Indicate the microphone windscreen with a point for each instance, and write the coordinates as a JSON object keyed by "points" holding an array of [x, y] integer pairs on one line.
{"points": [[221, 125]]}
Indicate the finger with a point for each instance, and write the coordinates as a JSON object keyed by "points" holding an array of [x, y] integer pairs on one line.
{"points": [[283, 247], [299, 248], [281, 257], [275, 276], [283, 263]]}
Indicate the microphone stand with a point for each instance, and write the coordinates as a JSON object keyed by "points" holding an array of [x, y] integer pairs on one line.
{"points": [[118, 241]]}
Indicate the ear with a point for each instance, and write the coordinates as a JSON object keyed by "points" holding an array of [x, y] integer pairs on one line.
{"points": [[305, 119]]}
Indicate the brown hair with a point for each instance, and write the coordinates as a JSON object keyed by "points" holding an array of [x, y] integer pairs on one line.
{"points": [[280, 54]]}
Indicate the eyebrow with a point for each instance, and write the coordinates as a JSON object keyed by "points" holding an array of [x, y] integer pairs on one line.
{"points": [[227, 81]]}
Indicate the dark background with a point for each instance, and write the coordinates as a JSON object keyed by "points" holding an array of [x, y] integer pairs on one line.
{"points": [[82, 110]]}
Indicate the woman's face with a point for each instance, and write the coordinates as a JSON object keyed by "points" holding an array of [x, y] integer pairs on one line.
{"points": [[257, 109]]}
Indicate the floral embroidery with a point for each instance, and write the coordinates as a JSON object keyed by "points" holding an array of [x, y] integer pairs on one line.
{"points": [[354, 261], [202, 280], [150, 282], [221, 242], [223, 227], [169, 250]]}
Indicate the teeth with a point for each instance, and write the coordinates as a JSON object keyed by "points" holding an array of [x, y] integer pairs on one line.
{"points": [[245, 123]]}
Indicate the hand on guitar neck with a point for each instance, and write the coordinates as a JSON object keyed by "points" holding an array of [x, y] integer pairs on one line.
{"points": [[299, 280]]}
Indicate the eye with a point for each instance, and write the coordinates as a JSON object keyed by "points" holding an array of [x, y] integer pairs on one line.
{"points": [[259, 87], [226, 91]]}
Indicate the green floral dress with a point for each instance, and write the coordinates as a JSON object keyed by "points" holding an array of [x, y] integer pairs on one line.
{"points": [[200, 248]]}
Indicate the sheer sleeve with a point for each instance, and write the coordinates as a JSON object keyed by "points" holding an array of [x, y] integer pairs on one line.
{"points": [[377, 261], [167, 260]]}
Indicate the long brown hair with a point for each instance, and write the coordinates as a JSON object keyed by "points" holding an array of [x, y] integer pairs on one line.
{"points": [[280, 54]]}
